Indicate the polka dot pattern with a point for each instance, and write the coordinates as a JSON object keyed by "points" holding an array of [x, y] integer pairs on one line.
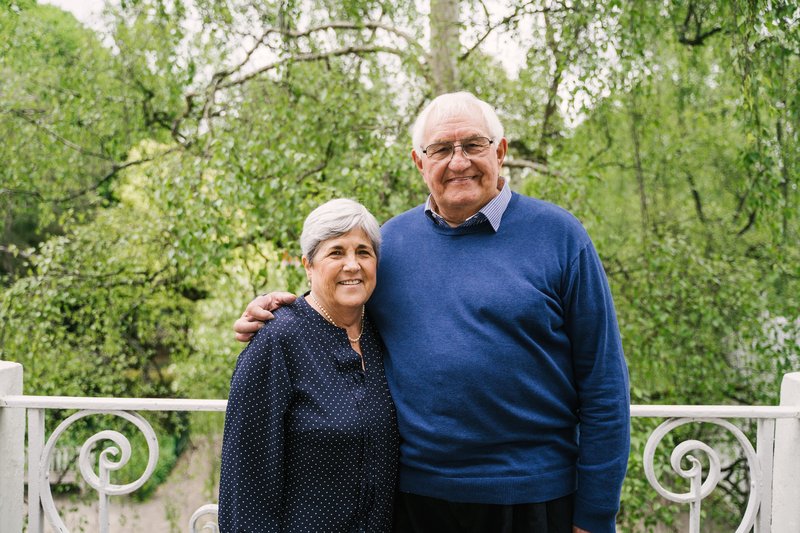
{"points": [[310, 440]]}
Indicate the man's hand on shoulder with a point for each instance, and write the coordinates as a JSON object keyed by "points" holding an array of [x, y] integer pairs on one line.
{"points": [[576, 529], [258, 311]]}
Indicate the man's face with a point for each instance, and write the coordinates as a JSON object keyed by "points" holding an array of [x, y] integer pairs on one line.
{"points": [[461, 186]]}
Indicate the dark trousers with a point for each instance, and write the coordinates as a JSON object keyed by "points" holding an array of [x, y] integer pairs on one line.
{"points": [[421, 514]]}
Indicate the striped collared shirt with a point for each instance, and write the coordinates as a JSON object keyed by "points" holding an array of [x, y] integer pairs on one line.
{"points": [[493, 211]]}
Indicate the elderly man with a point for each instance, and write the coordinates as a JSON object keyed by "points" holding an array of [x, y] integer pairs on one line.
{"points": [[504, 355]]}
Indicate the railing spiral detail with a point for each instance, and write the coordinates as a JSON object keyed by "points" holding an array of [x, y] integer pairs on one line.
{"points": [[107, 459], [699, 488]]}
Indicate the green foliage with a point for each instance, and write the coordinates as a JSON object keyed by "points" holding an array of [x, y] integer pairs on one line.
{"points": [[73, 109], [687, 203]]}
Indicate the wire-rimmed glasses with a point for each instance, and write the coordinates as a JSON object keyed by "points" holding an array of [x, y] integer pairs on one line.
{"points": [[470, 147]]}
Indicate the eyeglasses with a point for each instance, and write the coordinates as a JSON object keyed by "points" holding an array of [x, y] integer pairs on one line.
{"points": [[469, 147]]}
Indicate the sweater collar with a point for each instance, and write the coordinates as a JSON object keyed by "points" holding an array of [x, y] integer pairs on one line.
{"points": [[492, 211]]}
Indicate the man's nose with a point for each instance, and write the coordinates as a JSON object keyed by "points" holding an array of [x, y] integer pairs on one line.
{"points": [[459, 159]]}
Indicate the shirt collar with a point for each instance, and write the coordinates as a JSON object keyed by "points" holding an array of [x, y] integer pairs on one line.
{"points": [[492, 211]]}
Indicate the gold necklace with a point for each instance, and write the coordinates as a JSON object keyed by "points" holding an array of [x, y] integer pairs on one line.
{"points": [[329, 319]]}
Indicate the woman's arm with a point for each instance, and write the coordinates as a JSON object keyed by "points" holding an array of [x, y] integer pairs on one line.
{"points": [[251, 477]]}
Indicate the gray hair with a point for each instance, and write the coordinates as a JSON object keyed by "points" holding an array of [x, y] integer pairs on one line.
{"points": [[333, 219], [454, 105]]}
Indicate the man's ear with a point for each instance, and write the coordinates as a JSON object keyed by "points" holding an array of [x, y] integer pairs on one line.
{"points": [[502, 149], [417, 159]]}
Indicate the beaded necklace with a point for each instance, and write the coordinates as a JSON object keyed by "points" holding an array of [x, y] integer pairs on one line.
{"points": [[329, 319]]}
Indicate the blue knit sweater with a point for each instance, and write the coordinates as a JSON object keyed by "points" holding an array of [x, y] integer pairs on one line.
{"points": [[505, 361]]}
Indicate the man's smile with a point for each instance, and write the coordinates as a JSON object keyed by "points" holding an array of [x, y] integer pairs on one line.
{"points": [[460, 179]]}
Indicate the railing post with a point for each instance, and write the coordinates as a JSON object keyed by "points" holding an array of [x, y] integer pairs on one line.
{"points": [[12, 451], [786, 473]]}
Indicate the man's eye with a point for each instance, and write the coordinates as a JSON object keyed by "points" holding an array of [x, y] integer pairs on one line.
{"points": [[440, 149]]}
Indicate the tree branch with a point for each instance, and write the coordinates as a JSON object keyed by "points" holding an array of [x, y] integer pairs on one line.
{"points": [[357, 50], [503, 22], [609, 141], [116, 168], [538, 167], [118, 278], [698, 204], [312, 171], [699, 38], [23, 114], [635, 118], [344, 25], [296, 34], [221, 79], [751, 219]]}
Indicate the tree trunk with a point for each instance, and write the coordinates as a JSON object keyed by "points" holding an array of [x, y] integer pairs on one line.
{"points": [[445, 46]]}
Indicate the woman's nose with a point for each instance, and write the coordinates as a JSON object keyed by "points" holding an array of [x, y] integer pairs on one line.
{"points": [[351, 263]]}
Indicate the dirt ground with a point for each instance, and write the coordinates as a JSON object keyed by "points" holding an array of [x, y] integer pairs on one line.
{"points": [[192, 484]]}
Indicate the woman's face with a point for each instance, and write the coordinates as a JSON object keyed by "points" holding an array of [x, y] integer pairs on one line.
{"points": [[343, 272]]}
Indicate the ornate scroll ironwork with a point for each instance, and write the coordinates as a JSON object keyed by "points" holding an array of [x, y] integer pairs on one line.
{"points": [[100, 482], [699, 488]]}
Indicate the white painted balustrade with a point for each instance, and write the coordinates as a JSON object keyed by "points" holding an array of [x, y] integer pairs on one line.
{"points": [[773, 464]]}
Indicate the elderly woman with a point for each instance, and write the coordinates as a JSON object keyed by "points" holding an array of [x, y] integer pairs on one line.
{"points": [[310, 439]]}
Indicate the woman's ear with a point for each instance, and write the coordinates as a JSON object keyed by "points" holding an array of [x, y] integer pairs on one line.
{"points": [[307, 266]]}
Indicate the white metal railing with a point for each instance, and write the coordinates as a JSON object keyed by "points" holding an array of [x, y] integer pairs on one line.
{"points": [[759, 463], [773, 471], [41, 505]]}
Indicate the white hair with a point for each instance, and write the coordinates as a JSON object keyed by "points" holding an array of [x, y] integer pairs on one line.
{"points": [[454, 105], [333, 219]]}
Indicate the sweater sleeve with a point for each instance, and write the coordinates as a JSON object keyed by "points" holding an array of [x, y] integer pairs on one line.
{"points": [[251, 477], [601, 378]]}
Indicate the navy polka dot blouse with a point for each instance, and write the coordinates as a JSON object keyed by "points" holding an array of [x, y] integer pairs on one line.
{"points": [[310, 440]]}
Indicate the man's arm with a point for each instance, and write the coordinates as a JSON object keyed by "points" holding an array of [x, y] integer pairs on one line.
{"points": [[258, 311], [601, 379]]}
